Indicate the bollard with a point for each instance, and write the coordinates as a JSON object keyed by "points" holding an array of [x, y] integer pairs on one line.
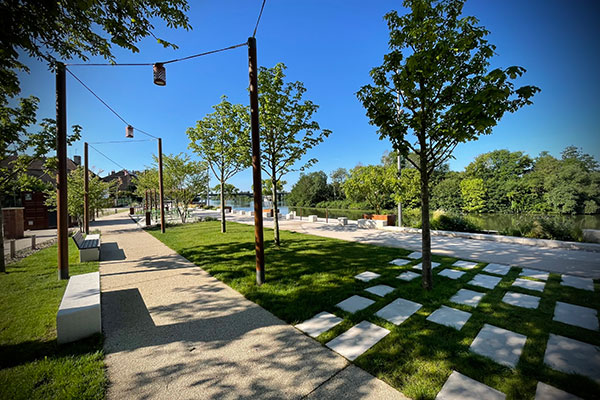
{"points": [[326, 215], [148, 220], [33, 242], [300, 214], [13, 249]]}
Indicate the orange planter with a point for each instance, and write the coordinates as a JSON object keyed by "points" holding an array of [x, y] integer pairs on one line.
{"points": [[391, 219]]}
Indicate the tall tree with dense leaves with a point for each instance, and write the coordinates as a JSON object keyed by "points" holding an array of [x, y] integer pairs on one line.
{"points": [[435, 90], [222, 139], [338, 177], [310, 189], [287, 130], [373, 184]]}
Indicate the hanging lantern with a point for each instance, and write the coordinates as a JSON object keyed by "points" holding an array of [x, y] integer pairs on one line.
{"points": [[160, 74], [129, 131]]}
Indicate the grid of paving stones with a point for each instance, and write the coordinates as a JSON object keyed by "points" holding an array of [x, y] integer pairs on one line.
{"points": [[577, 282], [419, 266], [354, 304], [465, 264], [534, 273], [415, 255], [496, 343], [400, 262], [521, 300], [501, 345], [571, 314], [485, 281], [408, 276], [449, 317], [380, 290], [529, 284], [547, 392], [452, 273], [498, 269], [367, 276]]}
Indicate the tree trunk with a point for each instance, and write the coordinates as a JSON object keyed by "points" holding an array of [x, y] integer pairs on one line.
{"points": [[275, 211], [2, 262], [223, 227], [427, 280]]}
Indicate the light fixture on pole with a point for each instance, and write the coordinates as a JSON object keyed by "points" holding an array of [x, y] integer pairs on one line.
{"points": [[129, 131], [160, 74]]}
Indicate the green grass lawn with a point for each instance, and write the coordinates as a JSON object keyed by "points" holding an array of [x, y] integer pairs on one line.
{"points": [[32, 364], [310, 274]]}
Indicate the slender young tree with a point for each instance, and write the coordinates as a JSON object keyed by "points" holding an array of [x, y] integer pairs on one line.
{"points": [[287, 130], [435, 90], [222, 138]]}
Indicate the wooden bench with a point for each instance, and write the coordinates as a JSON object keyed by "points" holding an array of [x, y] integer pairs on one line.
{"points": [[79, 314], [89, 248]]}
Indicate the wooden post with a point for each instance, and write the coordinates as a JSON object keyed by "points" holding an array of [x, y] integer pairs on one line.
{"points": [[160, 187], [13, 248], [62, 217], [327, 215], [33, 246], [259, 244], [86, 186]]}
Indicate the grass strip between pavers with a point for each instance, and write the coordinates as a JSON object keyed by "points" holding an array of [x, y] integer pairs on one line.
{"points": [[310, 274], [32, 364]]}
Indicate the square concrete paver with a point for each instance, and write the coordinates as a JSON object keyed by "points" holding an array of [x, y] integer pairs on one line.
{"points": [[419, 266], [529, 284], [449, 317], [461, 387], [465, 264], [485, 281], [452, 273], [572, 356], [547, 392], [501, 345], [318, 324], [415, 255], [571, 314], [498, 269], [380, 290], [534, 273], [367, 276], [521, 300], [408, 276], [398, 311], [577, 282], [358, 339], [400, 261], [354, 304], [467, 297]]}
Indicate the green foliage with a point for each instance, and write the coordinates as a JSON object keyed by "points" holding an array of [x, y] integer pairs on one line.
{"points": [[338, 177], [228, 189], [473, 194], [553, 227], [453, 222], [446, 195], [310, 190], [373, 184], [408, 190], [98, 192]]}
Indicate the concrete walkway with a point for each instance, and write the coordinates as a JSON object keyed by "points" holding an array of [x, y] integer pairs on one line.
{"points": [[562, 261], [174, 332]]}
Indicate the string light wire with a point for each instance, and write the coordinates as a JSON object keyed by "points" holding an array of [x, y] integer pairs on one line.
{"points": [[259, 15], [108, 158]]}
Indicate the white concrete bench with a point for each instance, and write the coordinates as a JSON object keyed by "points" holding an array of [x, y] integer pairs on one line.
{"points": [[371, 223], [342, 221], [312, 218], [89, 248], [79, 312]]}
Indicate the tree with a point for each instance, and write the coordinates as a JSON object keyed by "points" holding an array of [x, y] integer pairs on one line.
{"points": [[373, 184], [446, 194], [473, 194], [98, 192], [338, 177], [287, 130], [434, 91], [222, 138], [408, 190], [309, 190]]}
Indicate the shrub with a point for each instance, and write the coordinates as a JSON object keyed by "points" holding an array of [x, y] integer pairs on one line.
{"points": [[452, 222]]}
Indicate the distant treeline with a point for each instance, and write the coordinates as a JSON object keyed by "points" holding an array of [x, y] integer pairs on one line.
{"points": [[500, 181]]}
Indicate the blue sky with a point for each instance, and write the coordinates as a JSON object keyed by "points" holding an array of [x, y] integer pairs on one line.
{"points": [[331, 47]]}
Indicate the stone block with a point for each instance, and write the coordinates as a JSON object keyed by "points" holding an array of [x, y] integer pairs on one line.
{"points": [[342, 221], [312, 218], [79, 314]]}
